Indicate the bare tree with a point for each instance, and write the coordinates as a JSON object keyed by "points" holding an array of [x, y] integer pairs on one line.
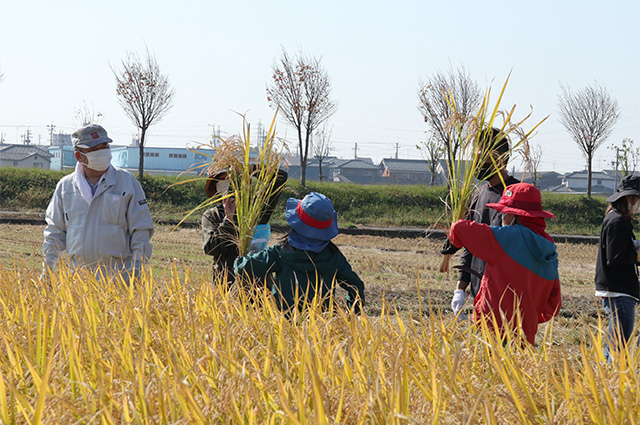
{"points": [[433, 150], [85, 115], [144, 94], [458, 86], [589, 116], [627, 157], [301, 89], [535, 158], [321, 146]]}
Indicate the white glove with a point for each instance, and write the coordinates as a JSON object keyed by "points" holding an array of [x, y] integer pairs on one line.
{"points": [[45, 278], [458, 301]]}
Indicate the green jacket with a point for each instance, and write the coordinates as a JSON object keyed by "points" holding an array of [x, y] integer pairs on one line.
{"points": [[297, 271]]}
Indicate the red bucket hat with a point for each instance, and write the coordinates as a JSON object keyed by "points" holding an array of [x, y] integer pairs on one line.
{"points": [[521, 199]]}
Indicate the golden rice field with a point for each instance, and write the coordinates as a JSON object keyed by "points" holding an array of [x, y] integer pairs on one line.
{"points": [[178, 349]]}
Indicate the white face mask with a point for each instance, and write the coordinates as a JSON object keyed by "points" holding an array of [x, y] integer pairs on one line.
{"points": [[98, 160], [505, 224], [222, 186]]}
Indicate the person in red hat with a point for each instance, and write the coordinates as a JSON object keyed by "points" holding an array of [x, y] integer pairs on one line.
{"points": [[494, 173], [520, 286]]}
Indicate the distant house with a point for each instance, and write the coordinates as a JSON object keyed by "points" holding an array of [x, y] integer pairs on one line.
{"points": [[442, 170], [359, 170], [62, 157], [405, 171], [576, 182], [619, 174], [546, 180], [161, 160], [313, 168], [24, 156]]}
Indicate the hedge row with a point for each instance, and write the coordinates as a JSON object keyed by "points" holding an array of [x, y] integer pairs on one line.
{"points": [[380, 205]]}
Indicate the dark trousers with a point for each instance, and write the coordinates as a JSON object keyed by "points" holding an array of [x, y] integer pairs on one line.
{"points": [[621, 311]]}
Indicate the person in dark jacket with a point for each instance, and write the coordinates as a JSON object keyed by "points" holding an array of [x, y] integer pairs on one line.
{"points": [[616, 275], [219, 224], [306, 264], [472, 267]]}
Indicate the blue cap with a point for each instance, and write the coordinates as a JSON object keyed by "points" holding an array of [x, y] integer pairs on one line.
{"points": [[313, 217]]}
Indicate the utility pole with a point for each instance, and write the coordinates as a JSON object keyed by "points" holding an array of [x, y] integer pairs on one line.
{"points": [[51, 127], [215, 136], [27, 137], [397, 147], [355, 151], [262, 134], [615, 180]]}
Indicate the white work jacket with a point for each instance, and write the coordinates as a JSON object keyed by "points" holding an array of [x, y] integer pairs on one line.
{"points": [[112, 230]]}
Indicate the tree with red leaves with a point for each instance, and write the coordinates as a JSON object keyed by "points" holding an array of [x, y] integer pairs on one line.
{"points": [[144, 94], [300, 90]]}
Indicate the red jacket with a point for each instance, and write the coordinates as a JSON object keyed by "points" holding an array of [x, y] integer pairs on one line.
{"points": [[522, 266]]}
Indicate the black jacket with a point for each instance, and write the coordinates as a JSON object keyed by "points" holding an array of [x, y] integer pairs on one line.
{"points": [[480, 213], [616, 268]]}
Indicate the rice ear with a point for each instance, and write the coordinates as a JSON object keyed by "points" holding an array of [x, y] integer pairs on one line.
{"points": [[444, 265], [474, 151], [253, 182]]}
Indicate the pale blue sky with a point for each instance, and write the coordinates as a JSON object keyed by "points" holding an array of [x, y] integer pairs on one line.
{"points": [[57, 54]]}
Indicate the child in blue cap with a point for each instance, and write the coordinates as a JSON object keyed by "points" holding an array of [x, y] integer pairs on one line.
{"points": [[306, 263]]}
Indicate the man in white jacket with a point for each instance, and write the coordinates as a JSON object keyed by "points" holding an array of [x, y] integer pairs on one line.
{"points": [[98, 214]]}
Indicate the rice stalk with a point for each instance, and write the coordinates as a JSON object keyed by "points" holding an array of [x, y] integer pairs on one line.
{"points": [[476, 149], [252, 172], [177, 349]]}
